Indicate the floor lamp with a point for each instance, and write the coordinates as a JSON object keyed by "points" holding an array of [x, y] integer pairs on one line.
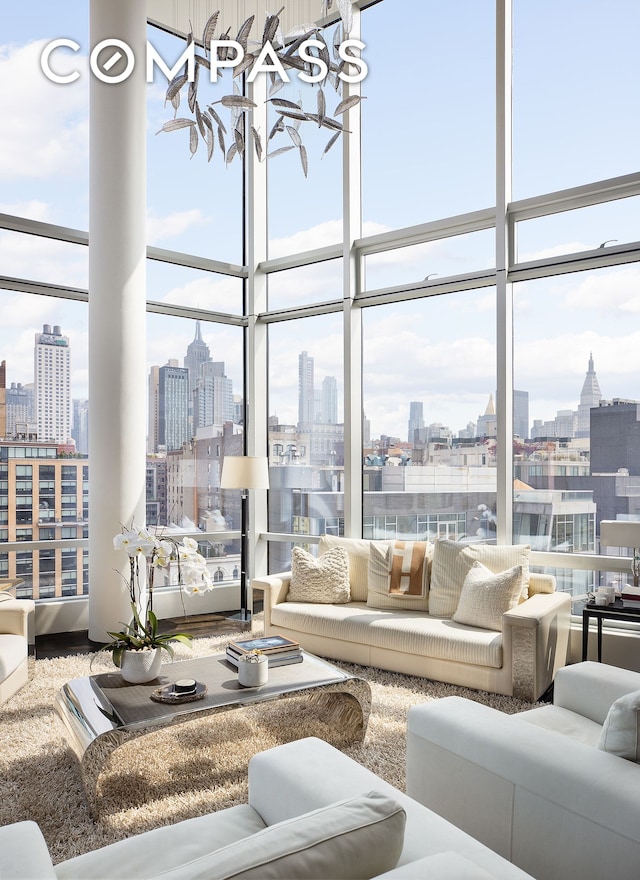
{"points": [[244, 472]]}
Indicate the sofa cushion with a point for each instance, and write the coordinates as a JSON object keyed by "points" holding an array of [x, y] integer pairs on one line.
{"points": [[355, 838], [452, 562], [325, 579], [358, 553], [381, 593], [621, 729], [486, 596], [409, 632]]}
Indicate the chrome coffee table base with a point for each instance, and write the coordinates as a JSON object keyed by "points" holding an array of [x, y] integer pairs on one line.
{"points": [[102, 712]]}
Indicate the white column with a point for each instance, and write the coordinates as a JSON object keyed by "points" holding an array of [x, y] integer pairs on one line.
{"points": [[117, 320]]}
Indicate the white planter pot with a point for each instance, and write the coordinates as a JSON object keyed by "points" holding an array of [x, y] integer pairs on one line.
{"points": [[253, 674], [138, 667]]}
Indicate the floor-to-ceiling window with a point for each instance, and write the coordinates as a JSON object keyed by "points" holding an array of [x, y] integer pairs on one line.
{"points": [[425, 289]]}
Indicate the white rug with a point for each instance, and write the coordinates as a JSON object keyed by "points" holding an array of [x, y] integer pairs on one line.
{"points": [[184, 771]]}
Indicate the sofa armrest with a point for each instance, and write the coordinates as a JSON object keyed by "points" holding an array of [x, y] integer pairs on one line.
{"points": [[535, 641], [275, 588], [590, 689], [17, 617], [306, 774], [24, 854]]}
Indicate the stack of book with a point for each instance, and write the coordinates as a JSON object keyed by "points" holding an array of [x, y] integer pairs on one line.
{"points": [[279, 651]]}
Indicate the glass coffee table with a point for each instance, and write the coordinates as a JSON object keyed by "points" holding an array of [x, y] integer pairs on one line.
{"points": [[102, 712]]}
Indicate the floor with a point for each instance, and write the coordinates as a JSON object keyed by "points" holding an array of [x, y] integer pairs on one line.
{"points": [[63, 644]]}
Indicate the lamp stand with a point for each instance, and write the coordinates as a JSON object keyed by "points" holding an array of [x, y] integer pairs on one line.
{"points": [[244, 553]]}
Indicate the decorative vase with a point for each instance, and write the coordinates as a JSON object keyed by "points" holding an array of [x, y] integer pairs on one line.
{"points": [[138, 667], [253, 673]]}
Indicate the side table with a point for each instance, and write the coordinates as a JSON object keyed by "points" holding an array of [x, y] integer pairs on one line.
{"points": [[617, 611]]}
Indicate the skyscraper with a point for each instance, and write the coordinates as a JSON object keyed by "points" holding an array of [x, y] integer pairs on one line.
{"points": [[3, 399], [212, 396], [589, 397], [521, 414], [329, 401], [416, 421], [173, 406], [52, 373], [198, 353], [306, 392]]}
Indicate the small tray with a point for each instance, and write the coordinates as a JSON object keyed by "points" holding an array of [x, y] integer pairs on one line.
{"points": [[167, 694]]}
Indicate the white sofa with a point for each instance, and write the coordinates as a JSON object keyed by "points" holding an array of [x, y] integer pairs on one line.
{"points": [[519, 660], [17, 641], [537, 788], [296, 825]]}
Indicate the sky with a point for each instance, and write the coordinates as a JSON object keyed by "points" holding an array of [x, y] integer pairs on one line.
{"points": [[428, 144]]}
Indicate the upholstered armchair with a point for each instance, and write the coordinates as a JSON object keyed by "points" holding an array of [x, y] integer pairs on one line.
{"points": [[17, 640], [554, 789]]}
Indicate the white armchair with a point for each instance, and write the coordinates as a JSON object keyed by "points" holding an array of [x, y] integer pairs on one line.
{"points": [[16, 643], [546, 788]]}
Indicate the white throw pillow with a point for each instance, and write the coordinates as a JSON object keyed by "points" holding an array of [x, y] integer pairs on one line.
{"points": [[323, 580], [486, 596], [379, 595], [620, 731], [452, 562], [352, 839]]}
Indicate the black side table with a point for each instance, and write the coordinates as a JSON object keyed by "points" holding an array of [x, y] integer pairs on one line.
{"points": [[617, 611]]}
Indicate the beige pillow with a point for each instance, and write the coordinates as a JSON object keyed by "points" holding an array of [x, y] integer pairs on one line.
{"points": [[452, 562], [353, 839], [381, 581], [621, 729], [358, 553], [324, 580], [486, 596]]}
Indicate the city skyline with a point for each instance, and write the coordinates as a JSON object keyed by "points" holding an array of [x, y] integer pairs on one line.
{"points": [[210, 383]]}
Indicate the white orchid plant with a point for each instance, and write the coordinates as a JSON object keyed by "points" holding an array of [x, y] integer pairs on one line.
{"points": [[147, 552]]}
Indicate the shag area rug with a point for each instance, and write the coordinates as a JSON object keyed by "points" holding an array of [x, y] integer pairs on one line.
{"points": [[194, 768]]}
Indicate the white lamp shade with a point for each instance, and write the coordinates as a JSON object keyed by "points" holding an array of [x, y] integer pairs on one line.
{"points": [[620, 533], [244, 472]]}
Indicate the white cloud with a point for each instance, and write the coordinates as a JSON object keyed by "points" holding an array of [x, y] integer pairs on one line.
{"points": [[174, 225], [558, 250], [44, 126], [620, 287], [42, 259]]}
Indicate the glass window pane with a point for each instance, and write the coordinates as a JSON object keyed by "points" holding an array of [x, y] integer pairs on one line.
{"points": [[306, 431], [429, 118], [578, 109], [583, 229], [304, 285], [194, 205], [431, 260], [580, 464], [430, 425]]}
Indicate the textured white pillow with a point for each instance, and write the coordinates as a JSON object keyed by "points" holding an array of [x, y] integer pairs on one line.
{"points": [[358, 553], [352, 839], [452, 562], [379, 596], [486, 596], [324, 580], [620, 731]]}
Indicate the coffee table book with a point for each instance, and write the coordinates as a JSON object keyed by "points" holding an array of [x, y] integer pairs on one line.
{"points": [[281, 658], [267, 645]]}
